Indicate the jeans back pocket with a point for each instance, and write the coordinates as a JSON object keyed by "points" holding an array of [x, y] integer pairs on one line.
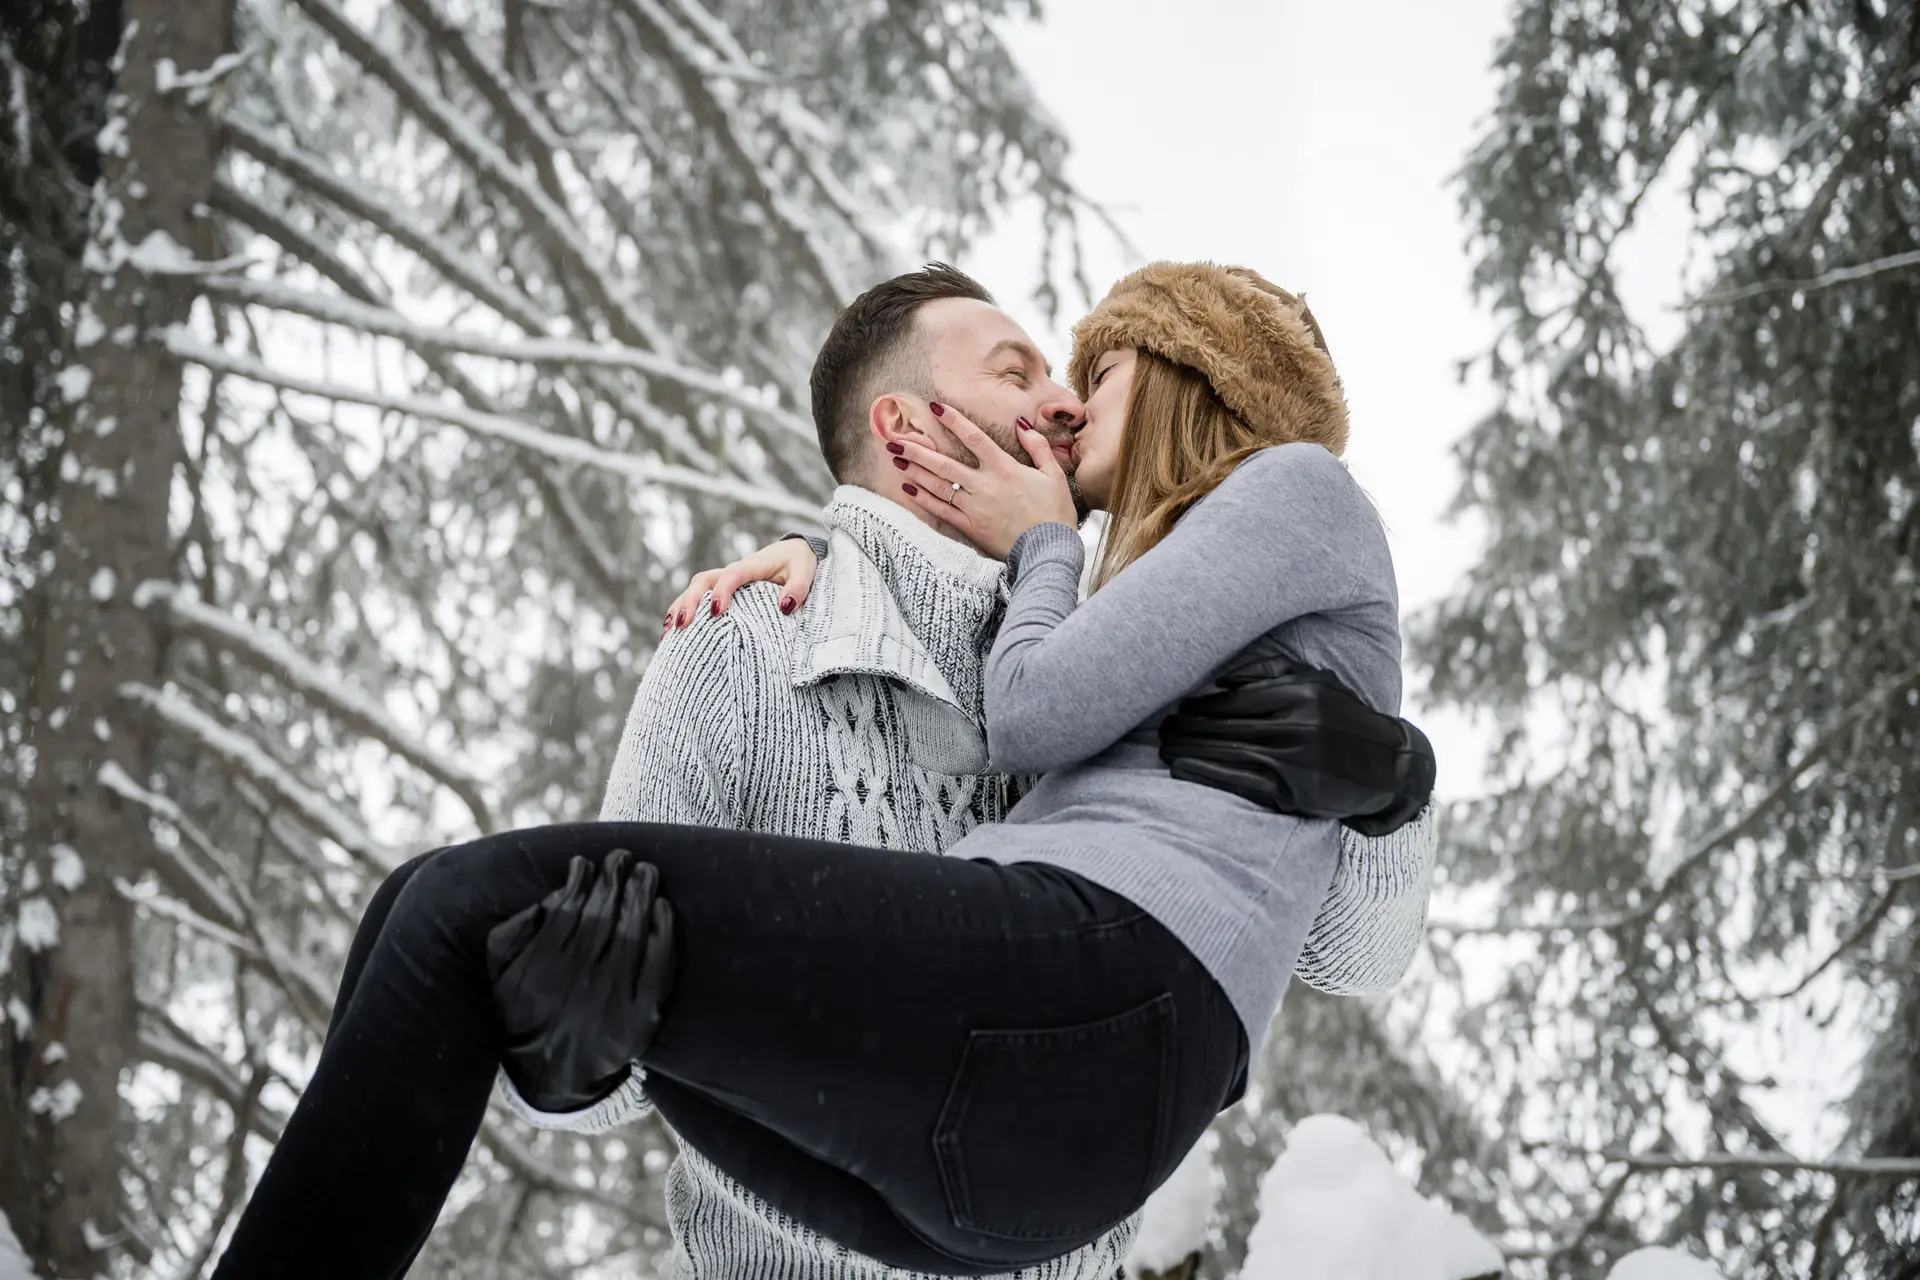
{"points": [[1056, 1133]]}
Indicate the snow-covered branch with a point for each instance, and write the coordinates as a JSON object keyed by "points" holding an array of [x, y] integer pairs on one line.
{"points": [[797, 127], [525, 124], [1866, 1168], [245, 755], [554, 224], [671, 434], [1865, 928], [1740, 1161], [663, 35], [233, 1181], [186, 917], [601, 564], [1825, 280], [164, 1044], [270, 653], [203, 892], [1813, 758], [184, 344], [225, 903], [161, 255], [456, 265], [389, 323], [196, 86]]}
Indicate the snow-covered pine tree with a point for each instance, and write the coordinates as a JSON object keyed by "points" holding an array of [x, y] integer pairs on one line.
{"points": [[493, 319], [66, 942], [54, 79], [1697, 624]]}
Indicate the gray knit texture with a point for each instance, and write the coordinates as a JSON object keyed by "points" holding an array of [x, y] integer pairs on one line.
{"points": [[1286, 556]]}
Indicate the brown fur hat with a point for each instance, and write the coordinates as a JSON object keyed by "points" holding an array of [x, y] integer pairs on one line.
{"points": [[1257, 344]]}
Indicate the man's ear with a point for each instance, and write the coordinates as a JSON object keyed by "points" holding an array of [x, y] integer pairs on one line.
{"points": [[896, 417]]}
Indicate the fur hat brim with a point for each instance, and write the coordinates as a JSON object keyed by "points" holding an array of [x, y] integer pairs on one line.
{"points": [[1257, 344]]}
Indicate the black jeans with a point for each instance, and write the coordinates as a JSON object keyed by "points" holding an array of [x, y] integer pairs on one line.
{"points": [[946, 1064]]}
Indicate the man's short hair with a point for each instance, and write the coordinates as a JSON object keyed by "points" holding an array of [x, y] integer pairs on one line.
{"points": [[873, 349]]}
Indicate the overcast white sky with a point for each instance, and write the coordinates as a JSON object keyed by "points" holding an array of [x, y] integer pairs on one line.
{"points": [[1313, 142]]}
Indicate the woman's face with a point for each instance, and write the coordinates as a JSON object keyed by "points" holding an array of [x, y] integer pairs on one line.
{"points": [[1096, 446]]}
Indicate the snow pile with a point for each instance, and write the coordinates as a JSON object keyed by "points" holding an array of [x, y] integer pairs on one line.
{"points": [[1174, 1223], [1333, 1208], [1661, 1264], [13, 1259]]}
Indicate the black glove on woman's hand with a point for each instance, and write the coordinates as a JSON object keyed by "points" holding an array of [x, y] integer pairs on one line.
{"points": [[579, 979], [1294, 738]]}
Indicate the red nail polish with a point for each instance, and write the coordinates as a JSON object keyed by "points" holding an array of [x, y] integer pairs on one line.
{"points": [[939, 410], [1023, 424], [786, 604], [714, 609], [910, 489], [900, 463], [896, 447]]}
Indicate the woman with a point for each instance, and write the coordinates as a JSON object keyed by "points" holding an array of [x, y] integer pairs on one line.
{"points": [[1036, 1027]]}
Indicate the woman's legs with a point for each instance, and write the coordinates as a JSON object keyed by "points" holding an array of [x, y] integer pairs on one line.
{"points": [[802, 1187], [1008, 1056], [372, 920]]}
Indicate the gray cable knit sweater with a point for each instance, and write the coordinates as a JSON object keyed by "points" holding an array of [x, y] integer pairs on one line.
{"points": [[862, 718], [859, 719]]}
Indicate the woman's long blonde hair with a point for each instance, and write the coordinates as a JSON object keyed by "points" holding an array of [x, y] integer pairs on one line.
{"points": [[1178, 442]]}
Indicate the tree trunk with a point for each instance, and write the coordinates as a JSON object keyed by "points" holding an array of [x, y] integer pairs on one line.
{"points": [[69, 991]]}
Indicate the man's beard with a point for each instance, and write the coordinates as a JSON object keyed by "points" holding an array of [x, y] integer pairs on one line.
{"points": [[1080, 508], [1005, 435]]}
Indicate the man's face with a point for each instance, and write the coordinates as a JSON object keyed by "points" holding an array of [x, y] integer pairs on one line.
{"points": [[987, 367]]}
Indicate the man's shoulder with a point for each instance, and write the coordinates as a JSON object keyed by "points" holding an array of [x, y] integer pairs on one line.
{"points": [[751, 635]]}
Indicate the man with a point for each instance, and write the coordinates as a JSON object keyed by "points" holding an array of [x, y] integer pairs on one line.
{"points": [[858, 719]]}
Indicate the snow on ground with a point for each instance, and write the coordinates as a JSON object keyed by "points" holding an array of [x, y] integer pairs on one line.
{"points": [[1661, 1264], [1333, 1207], [1174, 1223]]}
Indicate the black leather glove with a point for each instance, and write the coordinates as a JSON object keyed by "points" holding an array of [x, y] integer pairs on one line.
{"points": [[1294, 738], [580, 978]]}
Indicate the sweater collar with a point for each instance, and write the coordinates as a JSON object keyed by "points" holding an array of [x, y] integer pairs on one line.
{"points": [[895, 598]]}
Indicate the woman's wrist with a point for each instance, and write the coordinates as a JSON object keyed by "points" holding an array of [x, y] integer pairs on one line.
{"points": [[1050, 539], [815, 543]]}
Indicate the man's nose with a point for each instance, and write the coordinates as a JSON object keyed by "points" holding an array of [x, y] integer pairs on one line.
{"points": [[1059, 407]]}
